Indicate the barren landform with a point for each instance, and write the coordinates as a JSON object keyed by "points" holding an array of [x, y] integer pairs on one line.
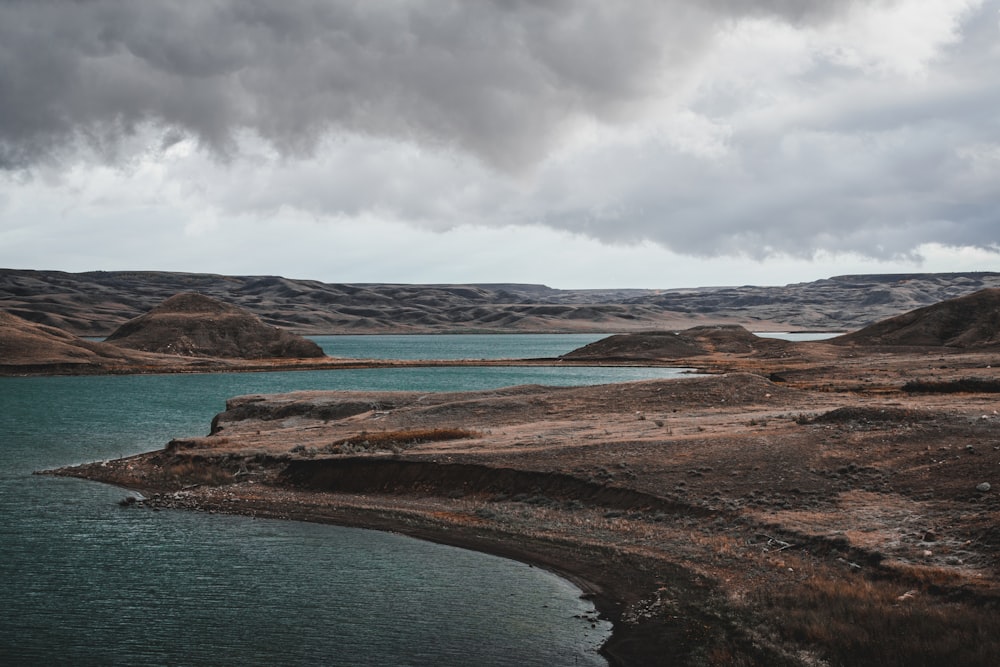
{"points": [[96, 303], [812, 503], [195, 325]]}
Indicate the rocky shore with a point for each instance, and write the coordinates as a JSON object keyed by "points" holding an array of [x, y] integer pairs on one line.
{"points": [[831, 517]]}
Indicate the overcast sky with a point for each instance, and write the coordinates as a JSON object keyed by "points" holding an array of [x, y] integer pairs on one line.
{"points": [[582, 143]]}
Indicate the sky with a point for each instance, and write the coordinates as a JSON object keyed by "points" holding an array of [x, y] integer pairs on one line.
{"points": [[573, 143]]}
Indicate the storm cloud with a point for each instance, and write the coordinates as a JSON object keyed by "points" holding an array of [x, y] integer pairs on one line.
{"points": [[711, 128], [498, 79]]}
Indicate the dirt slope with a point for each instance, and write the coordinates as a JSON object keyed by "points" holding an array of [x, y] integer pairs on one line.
{"points": [[27, 347], [192, 324], [659, 345], [969, 321]]}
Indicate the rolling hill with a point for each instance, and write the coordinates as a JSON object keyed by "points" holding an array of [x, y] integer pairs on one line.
{"points": [[96, 303]]}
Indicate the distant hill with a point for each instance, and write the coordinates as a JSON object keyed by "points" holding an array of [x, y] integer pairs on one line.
{"points": [[192, 324], [841, 303], [967, 322], [28, 347], [96, 303], [658, 345]]}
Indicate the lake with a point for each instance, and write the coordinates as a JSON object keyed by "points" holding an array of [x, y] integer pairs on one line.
{"points": [[86, 582], [802, 336], [454, 346]]}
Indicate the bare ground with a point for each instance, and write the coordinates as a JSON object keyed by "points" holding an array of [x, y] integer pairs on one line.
{"points": [[794, 506]]}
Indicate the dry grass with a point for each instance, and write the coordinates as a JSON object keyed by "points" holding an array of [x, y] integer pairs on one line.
{"points": [[964, 385], [856, 621], [397, 440], [191, 472]]}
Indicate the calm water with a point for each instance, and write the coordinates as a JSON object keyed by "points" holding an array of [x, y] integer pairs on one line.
{"points": [[454, 346], [85, 582], [798, 335]]}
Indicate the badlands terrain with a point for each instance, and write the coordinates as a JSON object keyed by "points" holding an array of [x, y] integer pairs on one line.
{"points": [[97, 303], [813, 503]]}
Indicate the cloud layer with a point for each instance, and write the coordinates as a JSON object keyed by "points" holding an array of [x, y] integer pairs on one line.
{"points": [[714, 128]]}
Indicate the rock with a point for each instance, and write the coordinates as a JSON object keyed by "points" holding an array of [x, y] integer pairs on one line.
{"points": [[984, 487]]}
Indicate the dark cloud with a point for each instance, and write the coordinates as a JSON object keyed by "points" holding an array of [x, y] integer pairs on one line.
{"points": [[620, 122], [502, 80]]}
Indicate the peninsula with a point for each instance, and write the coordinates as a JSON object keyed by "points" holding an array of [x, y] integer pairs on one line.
{"points": [[809, 503]]}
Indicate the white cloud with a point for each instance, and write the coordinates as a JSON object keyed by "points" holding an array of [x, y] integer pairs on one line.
{"points": [[531, 141]]}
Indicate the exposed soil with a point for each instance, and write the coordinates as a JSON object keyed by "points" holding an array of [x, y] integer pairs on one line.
{"points": [[792, 506], [31, 348]]}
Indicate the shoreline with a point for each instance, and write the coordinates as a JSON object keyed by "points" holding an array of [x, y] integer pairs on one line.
{"points": [[196, 365], [612, 590], [605, 605], [737, 516]]}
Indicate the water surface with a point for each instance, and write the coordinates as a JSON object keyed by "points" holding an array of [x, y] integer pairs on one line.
{"points": [[799, 335], [454, 346], [85, 582]]}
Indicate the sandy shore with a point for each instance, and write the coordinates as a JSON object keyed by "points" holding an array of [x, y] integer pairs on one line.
{"points": [[795, 508]]}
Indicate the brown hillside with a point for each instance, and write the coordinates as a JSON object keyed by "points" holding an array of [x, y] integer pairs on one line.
{"points": [[192, 324], [691, 342], [28, 347], [97, 302], [966, 322]]}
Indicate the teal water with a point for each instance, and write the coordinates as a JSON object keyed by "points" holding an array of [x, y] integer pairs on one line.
{"points": [[454, 346], [85, 582]]}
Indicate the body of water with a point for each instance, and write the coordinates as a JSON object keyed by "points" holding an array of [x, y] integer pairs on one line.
{"points": [[454, 346], [798, 335], [85, 582]]}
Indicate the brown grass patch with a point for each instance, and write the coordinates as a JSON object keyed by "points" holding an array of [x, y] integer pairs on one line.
{"points": [[870, 415], [192, 472], [964, 385], [397, 440], [861, 622]]}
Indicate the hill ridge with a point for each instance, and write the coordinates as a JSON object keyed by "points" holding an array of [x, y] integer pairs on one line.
{"points": [[968, 321], [192, 324], [96, 303]]}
